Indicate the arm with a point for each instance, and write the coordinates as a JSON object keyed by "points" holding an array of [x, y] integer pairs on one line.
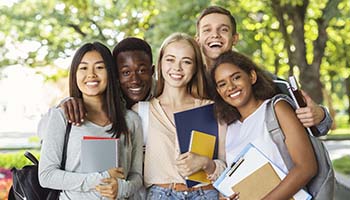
{"points": [[50, 174], [300, 150], [127, 187], [314, 115]]}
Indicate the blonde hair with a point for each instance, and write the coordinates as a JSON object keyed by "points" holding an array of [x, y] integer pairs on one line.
{"points": [[197, 86]]}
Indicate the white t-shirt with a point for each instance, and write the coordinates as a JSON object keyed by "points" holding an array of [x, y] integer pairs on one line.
{"points": [[252, 130]]}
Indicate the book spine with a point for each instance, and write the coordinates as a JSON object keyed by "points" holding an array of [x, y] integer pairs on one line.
{"points": [[301, 102]]}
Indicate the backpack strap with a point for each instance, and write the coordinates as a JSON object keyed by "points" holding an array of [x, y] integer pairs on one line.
{"points": [[144, 114], [275, 130]]}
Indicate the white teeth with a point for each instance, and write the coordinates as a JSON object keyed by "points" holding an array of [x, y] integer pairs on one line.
{"points": [[91, 83], [235, 94], [176, 76], [215, 44], [135, 89]]}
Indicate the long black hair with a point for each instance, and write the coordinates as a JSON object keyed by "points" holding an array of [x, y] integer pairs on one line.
{"points": [[113, 103]]}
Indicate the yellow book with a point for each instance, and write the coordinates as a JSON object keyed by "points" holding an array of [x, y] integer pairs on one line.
{"points": [[202, 144]]}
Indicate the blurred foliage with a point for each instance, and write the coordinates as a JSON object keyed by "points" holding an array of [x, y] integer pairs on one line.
{"points": [[44, 31], [342, 165], [16, 159]]}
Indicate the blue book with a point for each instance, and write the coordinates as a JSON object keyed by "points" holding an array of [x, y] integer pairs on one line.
{"points": [[200, 119]]}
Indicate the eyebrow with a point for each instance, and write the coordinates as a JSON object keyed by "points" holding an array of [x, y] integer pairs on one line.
{"points": [[172, 56], [233, 74], [98, 62], [221, 25]]}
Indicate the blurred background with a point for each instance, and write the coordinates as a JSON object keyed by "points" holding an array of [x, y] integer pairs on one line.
{"points": [[308, 39]]}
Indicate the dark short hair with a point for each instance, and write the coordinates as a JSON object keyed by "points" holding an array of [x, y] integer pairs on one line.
{"points": [[132, 44], [113, 103], [263, 88], [220, 10]]}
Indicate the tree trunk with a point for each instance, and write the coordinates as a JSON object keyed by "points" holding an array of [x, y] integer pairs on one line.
{"points": [[347, 87], [294, 14], [310, 82]]}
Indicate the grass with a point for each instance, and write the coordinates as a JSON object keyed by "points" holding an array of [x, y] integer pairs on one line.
{"points": [[342, 165], [339, 134]]}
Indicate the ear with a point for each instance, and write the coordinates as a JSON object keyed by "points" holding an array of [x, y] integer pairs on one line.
{"points": [[253, 77], [197, 38], [235, 38]]}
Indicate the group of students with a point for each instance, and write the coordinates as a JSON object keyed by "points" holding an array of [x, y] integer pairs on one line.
{"points": [[104, 87]]}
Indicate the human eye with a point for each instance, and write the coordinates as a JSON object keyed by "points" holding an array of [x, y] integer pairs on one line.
{"points": [[100, 67], [225, 29], [220, 84], [188, 62], [82, 67], [125, 73], [236, 77], [169, 59], [142, 70]]}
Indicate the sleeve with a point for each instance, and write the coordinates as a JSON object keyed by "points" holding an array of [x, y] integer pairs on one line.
{"points": [[326, 124], [42, 126], [50, 174], [133, 183]]}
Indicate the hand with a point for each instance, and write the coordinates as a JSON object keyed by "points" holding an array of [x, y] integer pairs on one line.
{"points": [[109, 188], [74, 110], [117, 173], [312, 114], [234, 196], [189, 163]]}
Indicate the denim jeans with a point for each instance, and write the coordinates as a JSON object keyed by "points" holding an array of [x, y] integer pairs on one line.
{"points": [[156, 192]]}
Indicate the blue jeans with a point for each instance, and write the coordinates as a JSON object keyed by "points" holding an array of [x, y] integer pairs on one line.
{"points": [[156, 192]]}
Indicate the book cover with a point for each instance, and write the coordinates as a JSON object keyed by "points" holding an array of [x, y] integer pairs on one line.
{"points": [[257, 181], [98, 153], [247, 168], [201, 119], [202, 144]]}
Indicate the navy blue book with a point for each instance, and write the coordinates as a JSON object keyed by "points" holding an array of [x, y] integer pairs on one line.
{"points": [[200, 119]]}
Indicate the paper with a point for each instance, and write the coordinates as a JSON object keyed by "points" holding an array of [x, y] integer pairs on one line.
{"points": [[253, 160], [98, 154]]}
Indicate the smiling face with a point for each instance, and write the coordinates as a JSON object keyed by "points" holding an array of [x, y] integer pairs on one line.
{"points": [[234, 85], [215, 36], [178, 64], [91, 75], [135, 75]]}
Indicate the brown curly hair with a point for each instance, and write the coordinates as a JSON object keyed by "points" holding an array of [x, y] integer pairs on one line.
{"points": [[264, 88]]}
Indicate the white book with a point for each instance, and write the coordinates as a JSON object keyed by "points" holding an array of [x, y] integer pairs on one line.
{"points": [[98, 154]]}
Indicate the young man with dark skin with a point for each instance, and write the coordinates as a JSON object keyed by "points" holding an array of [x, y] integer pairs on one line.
{"points": [[217, 33], [135, 67]]}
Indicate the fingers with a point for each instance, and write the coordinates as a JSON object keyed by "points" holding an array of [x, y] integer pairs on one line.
{"points": [[82, 112], [108, 188], [117, 173], [234, 196], [69, 111], [74, 110], [307, 98]]}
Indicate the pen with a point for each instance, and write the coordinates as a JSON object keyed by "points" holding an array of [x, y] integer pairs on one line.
{"points": [[234, 166]]}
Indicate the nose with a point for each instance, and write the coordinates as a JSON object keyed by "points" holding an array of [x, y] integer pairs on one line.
{"points": [[135, 78], [231, 85], [91, 73], [178, 66], [215, 34]]}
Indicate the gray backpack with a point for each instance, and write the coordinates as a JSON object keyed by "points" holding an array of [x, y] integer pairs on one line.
{"points": [[321, 187]]}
